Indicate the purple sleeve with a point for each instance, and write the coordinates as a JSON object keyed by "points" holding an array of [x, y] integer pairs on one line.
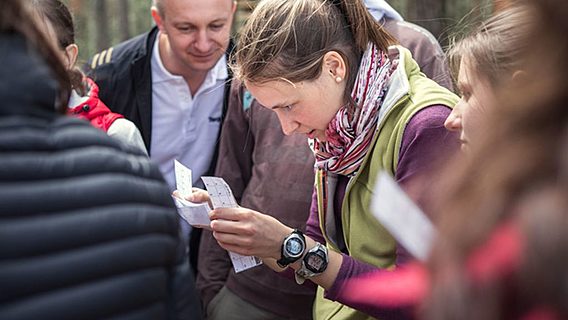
{"points": [[424, 140], [424, 143], [312, 226], [352, 269]]}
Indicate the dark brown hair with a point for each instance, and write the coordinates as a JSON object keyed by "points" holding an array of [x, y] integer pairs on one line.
{"points": [[59, 17], [15, 16], [285, 39]]}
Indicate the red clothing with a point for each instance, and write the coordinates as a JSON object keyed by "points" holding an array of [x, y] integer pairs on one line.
{"points": [[93, 109], [405, 288]]}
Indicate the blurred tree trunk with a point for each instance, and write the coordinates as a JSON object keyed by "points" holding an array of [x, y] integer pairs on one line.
{"points": [[430, 14], [140, 15], [102, 24], [76, 5], [80, 10], [124, 21]]}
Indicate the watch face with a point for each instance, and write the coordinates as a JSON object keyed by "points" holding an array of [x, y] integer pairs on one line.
{"points": [[294, 246], [315, 262]]}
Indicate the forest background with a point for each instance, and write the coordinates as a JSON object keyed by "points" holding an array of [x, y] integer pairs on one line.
{"points": [[103, 23]]}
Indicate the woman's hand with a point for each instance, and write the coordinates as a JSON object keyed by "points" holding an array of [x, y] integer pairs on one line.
{"points": [[252, 233], [248, 232], [197, 196]]}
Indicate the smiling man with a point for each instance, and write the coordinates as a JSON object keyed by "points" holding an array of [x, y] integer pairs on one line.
{"points": [[172, 82]]}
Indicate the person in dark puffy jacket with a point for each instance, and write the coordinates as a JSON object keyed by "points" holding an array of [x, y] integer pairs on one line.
{"points": [[87, 229]]}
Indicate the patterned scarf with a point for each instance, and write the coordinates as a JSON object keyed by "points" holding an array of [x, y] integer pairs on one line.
{"points": [[350, 133]]}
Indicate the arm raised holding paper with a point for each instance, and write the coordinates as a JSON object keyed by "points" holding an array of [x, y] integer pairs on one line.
{"points": [[252, 233], [249, 232]]}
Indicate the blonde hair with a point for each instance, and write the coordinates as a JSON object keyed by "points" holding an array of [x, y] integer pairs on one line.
{"points": [[495, 48], [287, 39], [516, 175]]}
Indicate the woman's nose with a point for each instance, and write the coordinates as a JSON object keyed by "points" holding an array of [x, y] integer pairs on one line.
{"points": [[289, 126], [453, 122]]}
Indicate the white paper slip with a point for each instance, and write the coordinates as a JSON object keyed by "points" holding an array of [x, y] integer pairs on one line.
{"points": [[222, 197], [196, 214], [242, 263], [219, 192], [402, 218], [183, 179]]}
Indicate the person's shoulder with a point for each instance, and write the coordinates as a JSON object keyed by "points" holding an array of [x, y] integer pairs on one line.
{"points": [[77, 133], [123, 53], [406, 31]]}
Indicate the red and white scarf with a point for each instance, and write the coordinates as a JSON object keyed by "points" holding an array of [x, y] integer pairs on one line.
{"points": [[350, 133]]}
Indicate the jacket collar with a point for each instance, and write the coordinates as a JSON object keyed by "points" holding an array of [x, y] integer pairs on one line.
{"points": [[399, 86]]}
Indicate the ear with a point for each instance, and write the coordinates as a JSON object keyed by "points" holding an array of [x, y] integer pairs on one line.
{"points": [[334, 65], [234, 8], [158, 19], [519, 78], [71, 53]]}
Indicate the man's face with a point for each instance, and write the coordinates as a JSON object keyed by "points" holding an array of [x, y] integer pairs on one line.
{"points": [[198, 32]]}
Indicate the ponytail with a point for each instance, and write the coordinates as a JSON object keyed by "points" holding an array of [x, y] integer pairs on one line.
{"points": [[363, 26]]}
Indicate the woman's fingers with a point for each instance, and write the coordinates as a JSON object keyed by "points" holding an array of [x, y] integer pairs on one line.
{"points": [[253, 233], [233, 214], [234, 239], [198, 196], [232, 227]]}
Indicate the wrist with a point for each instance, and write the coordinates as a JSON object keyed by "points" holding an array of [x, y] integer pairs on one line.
{"points": [[282, 233], [313, 263]]}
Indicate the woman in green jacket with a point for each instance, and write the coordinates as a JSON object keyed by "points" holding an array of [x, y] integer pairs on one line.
{"points": [[329, 71]]}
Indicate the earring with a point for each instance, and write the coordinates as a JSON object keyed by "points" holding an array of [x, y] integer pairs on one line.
{"points": [[338, 79]]}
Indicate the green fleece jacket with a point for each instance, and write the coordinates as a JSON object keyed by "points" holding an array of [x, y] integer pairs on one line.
{"points": [[366, 239]]}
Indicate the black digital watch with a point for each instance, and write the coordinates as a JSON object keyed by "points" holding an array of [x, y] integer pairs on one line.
{"points": [[293, 248], [314, 262]]}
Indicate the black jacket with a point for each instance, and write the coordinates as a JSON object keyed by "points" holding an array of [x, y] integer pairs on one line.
{"points": [[87, 230], [124, 76]]}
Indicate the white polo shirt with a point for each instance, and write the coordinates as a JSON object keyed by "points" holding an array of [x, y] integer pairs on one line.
{"points": [[185, 127]]}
